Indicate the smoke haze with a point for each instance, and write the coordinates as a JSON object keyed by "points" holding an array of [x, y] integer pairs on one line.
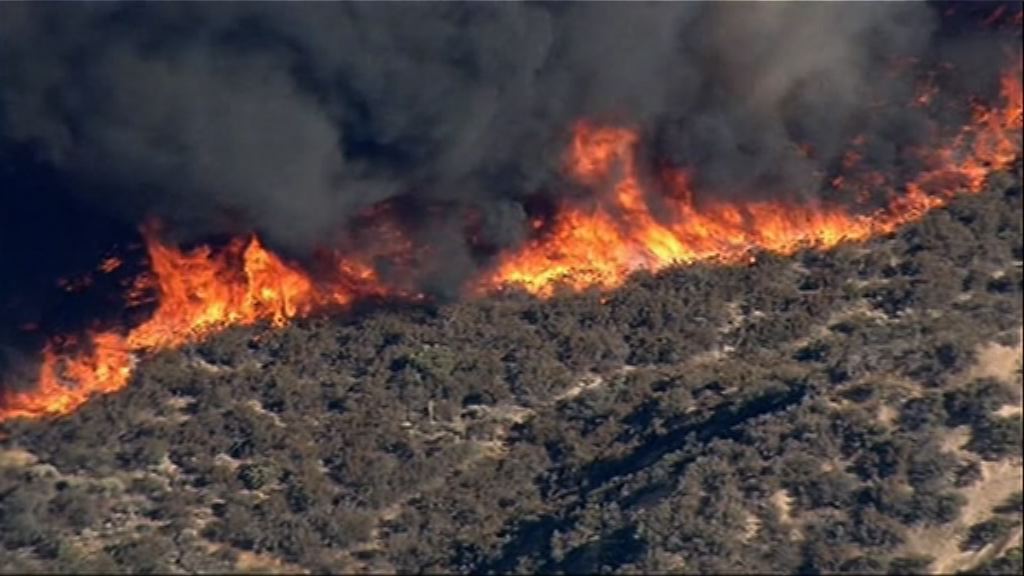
{"points": [[293, 119]]}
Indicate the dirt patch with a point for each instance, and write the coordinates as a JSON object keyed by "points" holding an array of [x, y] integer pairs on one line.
{"points": [[16, 458], [1009, 410], [999, 480], [751, 526], [257, 406], [956, 439], [887, 414], [1000, 362], [265, 563], [783, 504], [584, 383]]}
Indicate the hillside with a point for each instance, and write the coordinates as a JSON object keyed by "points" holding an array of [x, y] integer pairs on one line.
{"points": [[857, 410]]}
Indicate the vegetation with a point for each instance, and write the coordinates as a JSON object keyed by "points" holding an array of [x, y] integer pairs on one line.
{"points": [[793, 415]]}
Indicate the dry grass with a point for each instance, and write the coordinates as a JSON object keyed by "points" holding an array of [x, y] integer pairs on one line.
{"points": [[999, 480], [1000, 362], [252, 562]]}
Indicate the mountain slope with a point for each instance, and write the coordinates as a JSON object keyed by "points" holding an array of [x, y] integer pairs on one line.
{"points": [[854, 411]]}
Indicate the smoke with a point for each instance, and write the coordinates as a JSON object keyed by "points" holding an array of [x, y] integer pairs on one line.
{"points": [[291, 120]]}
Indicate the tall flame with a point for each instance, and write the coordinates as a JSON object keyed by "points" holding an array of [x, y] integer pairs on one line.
{"points": [[201, 291], [600, 246], [197, 293]]}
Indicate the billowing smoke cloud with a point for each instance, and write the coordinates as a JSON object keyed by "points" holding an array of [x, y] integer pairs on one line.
{"points": [[290, 119]]}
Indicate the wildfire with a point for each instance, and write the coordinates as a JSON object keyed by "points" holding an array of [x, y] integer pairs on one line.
{"points": [[601, 245], [204, 290], [197, 293]]}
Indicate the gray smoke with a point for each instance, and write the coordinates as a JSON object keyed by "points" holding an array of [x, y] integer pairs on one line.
{"points": [[290, 119]]}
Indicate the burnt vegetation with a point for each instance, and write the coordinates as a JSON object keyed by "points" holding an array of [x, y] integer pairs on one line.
{"points": [[795, 415]]}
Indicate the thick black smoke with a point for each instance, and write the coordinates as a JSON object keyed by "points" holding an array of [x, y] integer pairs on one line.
{"points": [[291, 119]]}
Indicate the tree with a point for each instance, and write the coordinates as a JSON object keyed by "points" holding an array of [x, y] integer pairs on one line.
{"points": [[972, 403], [996, 437], [914, 564], [988, 532]]}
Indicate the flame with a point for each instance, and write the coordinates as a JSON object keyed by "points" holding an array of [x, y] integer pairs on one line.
{"points": [[601, 245], [204, 290], [104, 369], [200, 291], [197, 293]]}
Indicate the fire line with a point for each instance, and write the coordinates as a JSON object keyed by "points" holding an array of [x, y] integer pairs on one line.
{"points": [[202, 291]]}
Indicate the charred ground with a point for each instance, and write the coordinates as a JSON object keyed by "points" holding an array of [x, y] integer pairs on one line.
{"points": [[856, 410]]}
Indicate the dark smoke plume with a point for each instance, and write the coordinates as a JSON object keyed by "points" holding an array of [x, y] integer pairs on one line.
{"points": [[293, 119]]}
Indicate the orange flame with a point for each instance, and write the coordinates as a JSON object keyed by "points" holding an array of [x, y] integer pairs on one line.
{"points": [[602, 245], [197, 293], [201, 291]]}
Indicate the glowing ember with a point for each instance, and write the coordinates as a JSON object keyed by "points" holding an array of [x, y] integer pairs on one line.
{"points": [[109, 265], [202, 291]]}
